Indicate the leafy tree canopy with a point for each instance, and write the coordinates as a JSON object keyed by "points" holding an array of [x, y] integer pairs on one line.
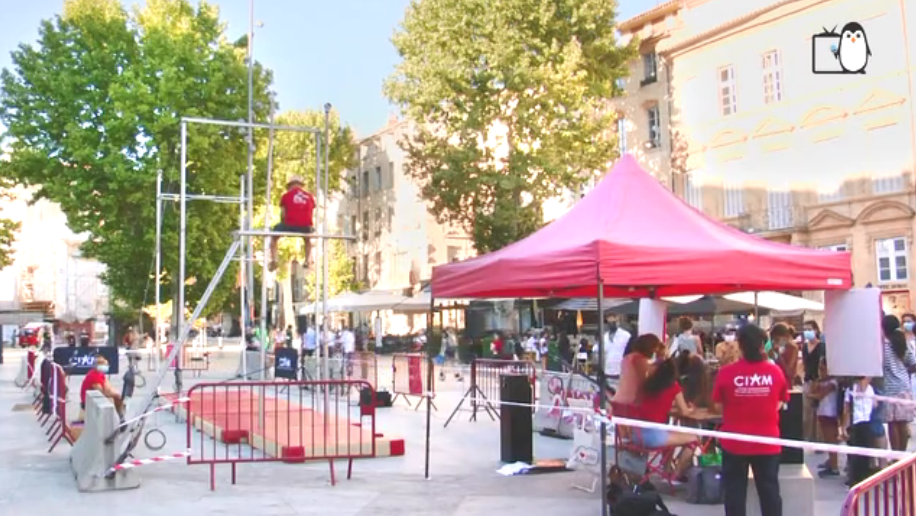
{"points": [[8, 227], [510, 98], [92, 112]]}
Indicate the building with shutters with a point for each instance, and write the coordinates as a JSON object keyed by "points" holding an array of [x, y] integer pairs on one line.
{"points": [[398, 239], [755, 138]]}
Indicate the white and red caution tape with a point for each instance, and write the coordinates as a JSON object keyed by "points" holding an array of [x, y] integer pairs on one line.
{"points": [[886, 399], [598, 418], [136, 463], [160, 408]]}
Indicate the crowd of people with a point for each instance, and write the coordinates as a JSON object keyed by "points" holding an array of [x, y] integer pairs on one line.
{"points": [[747, 378]]}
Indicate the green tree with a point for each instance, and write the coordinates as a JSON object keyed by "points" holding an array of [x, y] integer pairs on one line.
{"points": [[92, 113], [8, 228], [510, 100]]}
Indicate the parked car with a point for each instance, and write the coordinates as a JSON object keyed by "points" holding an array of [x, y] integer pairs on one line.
{"points": [[30, 334]]}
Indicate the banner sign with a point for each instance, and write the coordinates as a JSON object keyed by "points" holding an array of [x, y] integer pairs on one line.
{"points": [[79, 361], [414, 375], [286, 363], [556, 389]]}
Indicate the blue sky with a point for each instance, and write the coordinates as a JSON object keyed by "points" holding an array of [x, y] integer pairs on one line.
{"points": [[321, 51]]}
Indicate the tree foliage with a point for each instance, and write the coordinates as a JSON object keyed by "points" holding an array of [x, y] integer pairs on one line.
{"points": [[509, 97], [341, 271], [8, 227], [92, 112]]}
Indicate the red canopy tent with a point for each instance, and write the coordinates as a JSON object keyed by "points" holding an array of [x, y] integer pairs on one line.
{"points": [[638, 239]]}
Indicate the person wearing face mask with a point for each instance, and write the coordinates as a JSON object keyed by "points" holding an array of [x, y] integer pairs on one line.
{"points": [[899, 364], [615, 342], [909, 324], [786, 351], [727, 352], [813, 350], [97, 379]]}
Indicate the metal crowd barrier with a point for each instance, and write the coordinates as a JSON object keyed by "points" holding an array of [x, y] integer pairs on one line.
{"points": [[484, 389], [890, 492], [51, 404], [277, 421], [412, 376]]}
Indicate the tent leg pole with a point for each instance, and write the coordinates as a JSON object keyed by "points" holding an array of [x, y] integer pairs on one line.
{"points": [[602, 390], [429, 379], [756, 310]]}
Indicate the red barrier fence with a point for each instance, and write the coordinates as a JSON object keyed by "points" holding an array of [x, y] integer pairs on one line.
{"points": [[484, 388], [411, 377], [51, 404], [890, 492], [277, 421]]}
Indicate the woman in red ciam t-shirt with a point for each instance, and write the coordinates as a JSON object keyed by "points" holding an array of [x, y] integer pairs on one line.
{"points": [[659, 392], [751, 392]]}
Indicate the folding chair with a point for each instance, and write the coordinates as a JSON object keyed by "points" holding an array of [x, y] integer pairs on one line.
{"points": [[628, 442]]}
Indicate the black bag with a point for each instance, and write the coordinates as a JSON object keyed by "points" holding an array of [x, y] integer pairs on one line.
{"points": [[640, 503], [641, 500], [704, 486], [383, 399]]}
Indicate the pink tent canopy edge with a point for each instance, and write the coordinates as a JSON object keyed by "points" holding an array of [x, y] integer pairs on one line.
{"points": [[640, 240]]}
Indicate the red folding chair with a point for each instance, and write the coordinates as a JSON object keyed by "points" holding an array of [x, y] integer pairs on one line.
{"points": [[628, 442]]}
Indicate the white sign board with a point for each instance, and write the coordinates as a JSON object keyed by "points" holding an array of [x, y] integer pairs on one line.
{"points": [[652, 315], [852, 329]]}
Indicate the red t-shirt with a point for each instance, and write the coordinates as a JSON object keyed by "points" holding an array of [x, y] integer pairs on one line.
{"points": [[750, 394], [299, 205], [94, 377], [657, 408]]}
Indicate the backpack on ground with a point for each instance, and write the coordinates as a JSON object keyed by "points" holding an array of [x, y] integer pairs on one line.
{"points": [[704, 485]]}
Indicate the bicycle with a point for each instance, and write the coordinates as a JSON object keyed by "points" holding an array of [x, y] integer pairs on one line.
{"points": [[134, 372]]}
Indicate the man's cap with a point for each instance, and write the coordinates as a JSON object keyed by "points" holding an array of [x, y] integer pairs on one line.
{"points": [[294, 180]]}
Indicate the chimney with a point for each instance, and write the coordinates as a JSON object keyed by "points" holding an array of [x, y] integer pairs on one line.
{"points": [[392, 119]]}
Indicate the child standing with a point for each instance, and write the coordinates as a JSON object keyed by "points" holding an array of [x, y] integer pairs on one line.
{"points": [[858, 413], [825, 391]]}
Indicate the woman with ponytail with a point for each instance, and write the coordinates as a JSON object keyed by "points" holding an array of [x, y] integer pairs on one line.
{"points": [[899, 363]]}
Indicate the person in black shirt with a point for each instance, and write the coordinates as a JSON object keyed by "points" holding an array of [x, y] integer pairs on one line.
{"points": [[813, 351], [565, 348]]}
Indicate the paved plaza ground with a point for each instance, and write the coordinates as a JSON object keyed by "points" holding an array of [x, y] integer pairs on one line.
{"points": [[464, 460]]}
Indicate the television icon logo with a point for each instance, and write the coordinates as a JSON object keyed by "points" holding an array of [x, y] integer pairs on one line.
{"points": [[844, 52]]}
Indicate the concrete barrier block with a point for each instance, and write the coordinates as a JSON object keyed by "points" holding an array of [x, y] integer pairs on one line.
{"points": [[796, 485], [91, 458], [22, 377]]}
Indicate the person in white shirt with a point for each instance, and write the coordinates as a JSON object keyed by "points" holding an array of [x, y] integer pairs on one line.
{"points": [[348, 346], [543, 349], [531, 348], [858, 411], [615, 343]]}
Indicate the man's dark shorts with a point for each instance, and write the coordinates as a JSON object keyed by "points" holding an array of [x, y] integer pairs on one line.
{"points": [[285, 228]]}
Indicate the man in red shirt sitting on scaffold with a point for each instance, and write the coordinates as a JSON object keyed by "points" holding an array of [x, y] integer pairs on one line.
{"points": [[296, 209]]}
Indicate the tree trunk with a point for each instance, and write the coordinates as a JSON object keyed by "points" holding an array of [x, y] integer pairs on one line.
{"points": [[286, 298]]}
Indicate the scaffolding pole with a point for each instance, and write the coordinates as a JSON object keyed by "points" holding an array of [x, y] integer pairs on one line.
{"points": [[266, 250]]}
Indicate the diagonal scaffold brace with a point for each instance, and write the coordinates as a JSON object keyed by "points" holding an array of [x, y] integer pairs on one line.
{"points": [[139, 420]]}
